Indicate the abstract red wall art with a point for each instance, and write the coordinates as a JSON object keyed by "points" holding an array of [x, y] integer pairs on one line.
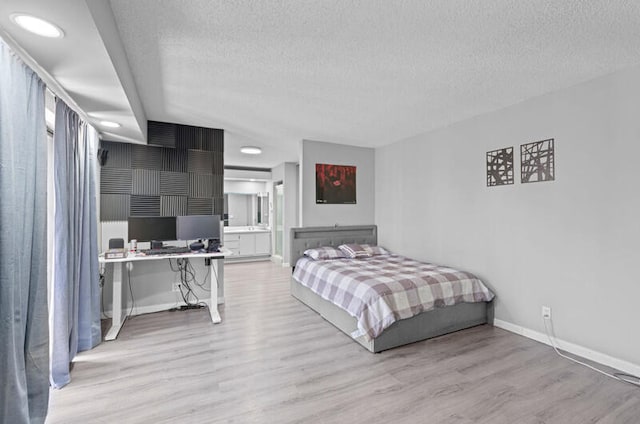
{"points": [[335, 184]]}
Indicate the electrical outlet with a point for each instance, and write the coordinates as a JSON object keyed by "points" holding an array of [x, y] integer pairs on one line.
{"points": [[176, 287], [546, 312]]}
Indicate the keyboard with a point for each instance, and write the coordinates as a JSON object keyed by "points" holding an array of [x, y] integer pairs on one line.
{"points": [[170, 250]]}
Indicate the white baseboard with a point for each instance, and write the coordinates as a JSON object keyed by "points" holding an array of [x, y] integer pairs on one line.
{"points": [[592, 355], [279, 261], [240, 259]]}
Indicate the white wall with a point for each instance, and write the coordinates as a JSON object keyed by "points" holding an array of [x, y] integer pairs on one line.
{"points": [[362, 158], [247, 174], [245, 187], [571, 244]]}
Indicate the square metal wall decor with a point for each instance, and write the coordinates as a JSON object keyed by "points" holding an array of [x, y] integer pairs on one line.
{"points": [[537, 161], [500, 167]]}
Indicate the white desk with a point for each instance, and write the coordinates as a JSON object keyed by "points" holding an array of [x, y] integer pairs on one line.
{"points": [[120, 310]]}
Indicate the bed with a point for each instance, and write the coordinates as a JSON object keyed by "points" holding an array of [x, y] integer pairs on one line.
{"points": [[430, 323]]}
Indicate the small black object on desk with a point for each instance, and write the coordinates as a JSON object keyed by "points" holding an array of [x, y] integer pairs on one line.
{"points": [[196, 245], [213, 245], [116, 243]]}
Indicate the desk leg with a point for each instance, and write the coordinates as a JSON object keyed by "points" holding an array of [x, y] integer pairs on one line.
{"points": [[215, 265], [117, 310], [220, 281]]}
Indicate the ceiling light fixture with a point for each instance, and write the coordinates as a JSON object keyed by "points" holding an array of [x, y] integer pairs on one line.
{"points": [[37, 26], [251, 150], [109, 124]]}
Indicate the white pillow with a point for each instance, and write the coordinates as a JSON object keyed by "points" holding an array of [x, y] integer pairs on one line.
{"points": [[354, 250], [326, 252], [375, 250]]}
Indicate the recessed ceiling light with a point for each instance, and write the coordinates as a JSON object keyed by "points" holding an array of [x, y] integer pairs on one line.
{"points": [[109, 124], [251, 150], [37, 26]]}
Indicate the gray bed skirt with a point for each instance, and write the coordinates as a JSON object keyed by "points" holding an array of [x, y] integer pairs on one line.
{"points": [[420, 327]]}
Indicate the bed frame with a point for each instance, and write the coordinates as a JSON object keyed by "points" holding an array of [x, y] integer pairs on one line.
{"points": [[420, 327]]}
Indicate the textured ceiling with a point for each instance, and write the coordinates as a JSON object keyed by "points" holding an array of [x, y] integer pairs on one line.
{"points": [[367, 73]]}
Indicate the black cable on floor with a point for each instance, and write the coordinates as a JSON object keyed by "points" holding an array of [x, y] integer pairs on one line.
{"points": [[187, 276], [626, 378]]}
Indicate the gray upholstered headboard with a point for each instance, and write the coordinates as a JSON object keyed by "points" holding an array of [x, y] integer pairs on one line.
{"points": [[308, 237]]}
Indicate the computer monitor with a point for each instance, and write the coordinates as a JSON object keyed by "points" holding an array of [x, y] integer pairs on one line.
{"points": [[152, 228], [198, 227]]}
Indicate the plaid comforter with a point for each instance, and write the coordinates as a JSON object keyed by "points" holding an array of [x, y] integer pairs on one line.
{"points": [[383, 289]]}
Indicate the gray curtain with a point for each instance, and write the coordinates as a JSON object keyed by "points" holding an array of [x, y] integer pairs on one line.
{"points": [[24, 334], [75, 294]]}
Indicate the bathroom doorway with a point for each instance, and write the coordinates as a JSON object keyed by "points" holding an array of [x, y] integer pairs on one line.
{"points": [[278, 190]]}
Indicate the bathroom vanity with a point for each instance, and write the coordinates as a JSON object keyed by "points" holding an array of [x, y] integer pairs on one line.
{"points": [[247, 243]]}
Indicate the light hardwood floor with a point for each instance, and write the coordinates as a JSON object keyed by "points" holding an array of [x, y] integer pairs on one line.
{"points": [[273, 360]]}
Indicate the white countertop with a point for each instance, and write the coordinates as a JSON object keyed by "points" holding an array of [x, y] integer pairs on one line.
{"points": [[244, 230]]}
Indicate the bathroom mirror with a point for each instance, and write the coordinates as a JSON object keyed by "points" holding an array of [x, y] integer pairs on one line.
{"points": [[246, 210]]}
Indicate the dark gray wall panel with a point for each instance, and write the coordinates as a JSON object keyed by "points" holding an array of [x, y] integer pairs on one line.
{"points": [[218, 163], [146, 182], [200, 185], [188, 137], [146, 157], [115, 181], [173, 205], [174, 183], [200, 206], [218, 205], [161, 134], [174, 160], [145, 206], [119, 154], [114, 207], [200, 161], [218, 137], [198, 138], [207, 140], [180, 172], [217, 189]]}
